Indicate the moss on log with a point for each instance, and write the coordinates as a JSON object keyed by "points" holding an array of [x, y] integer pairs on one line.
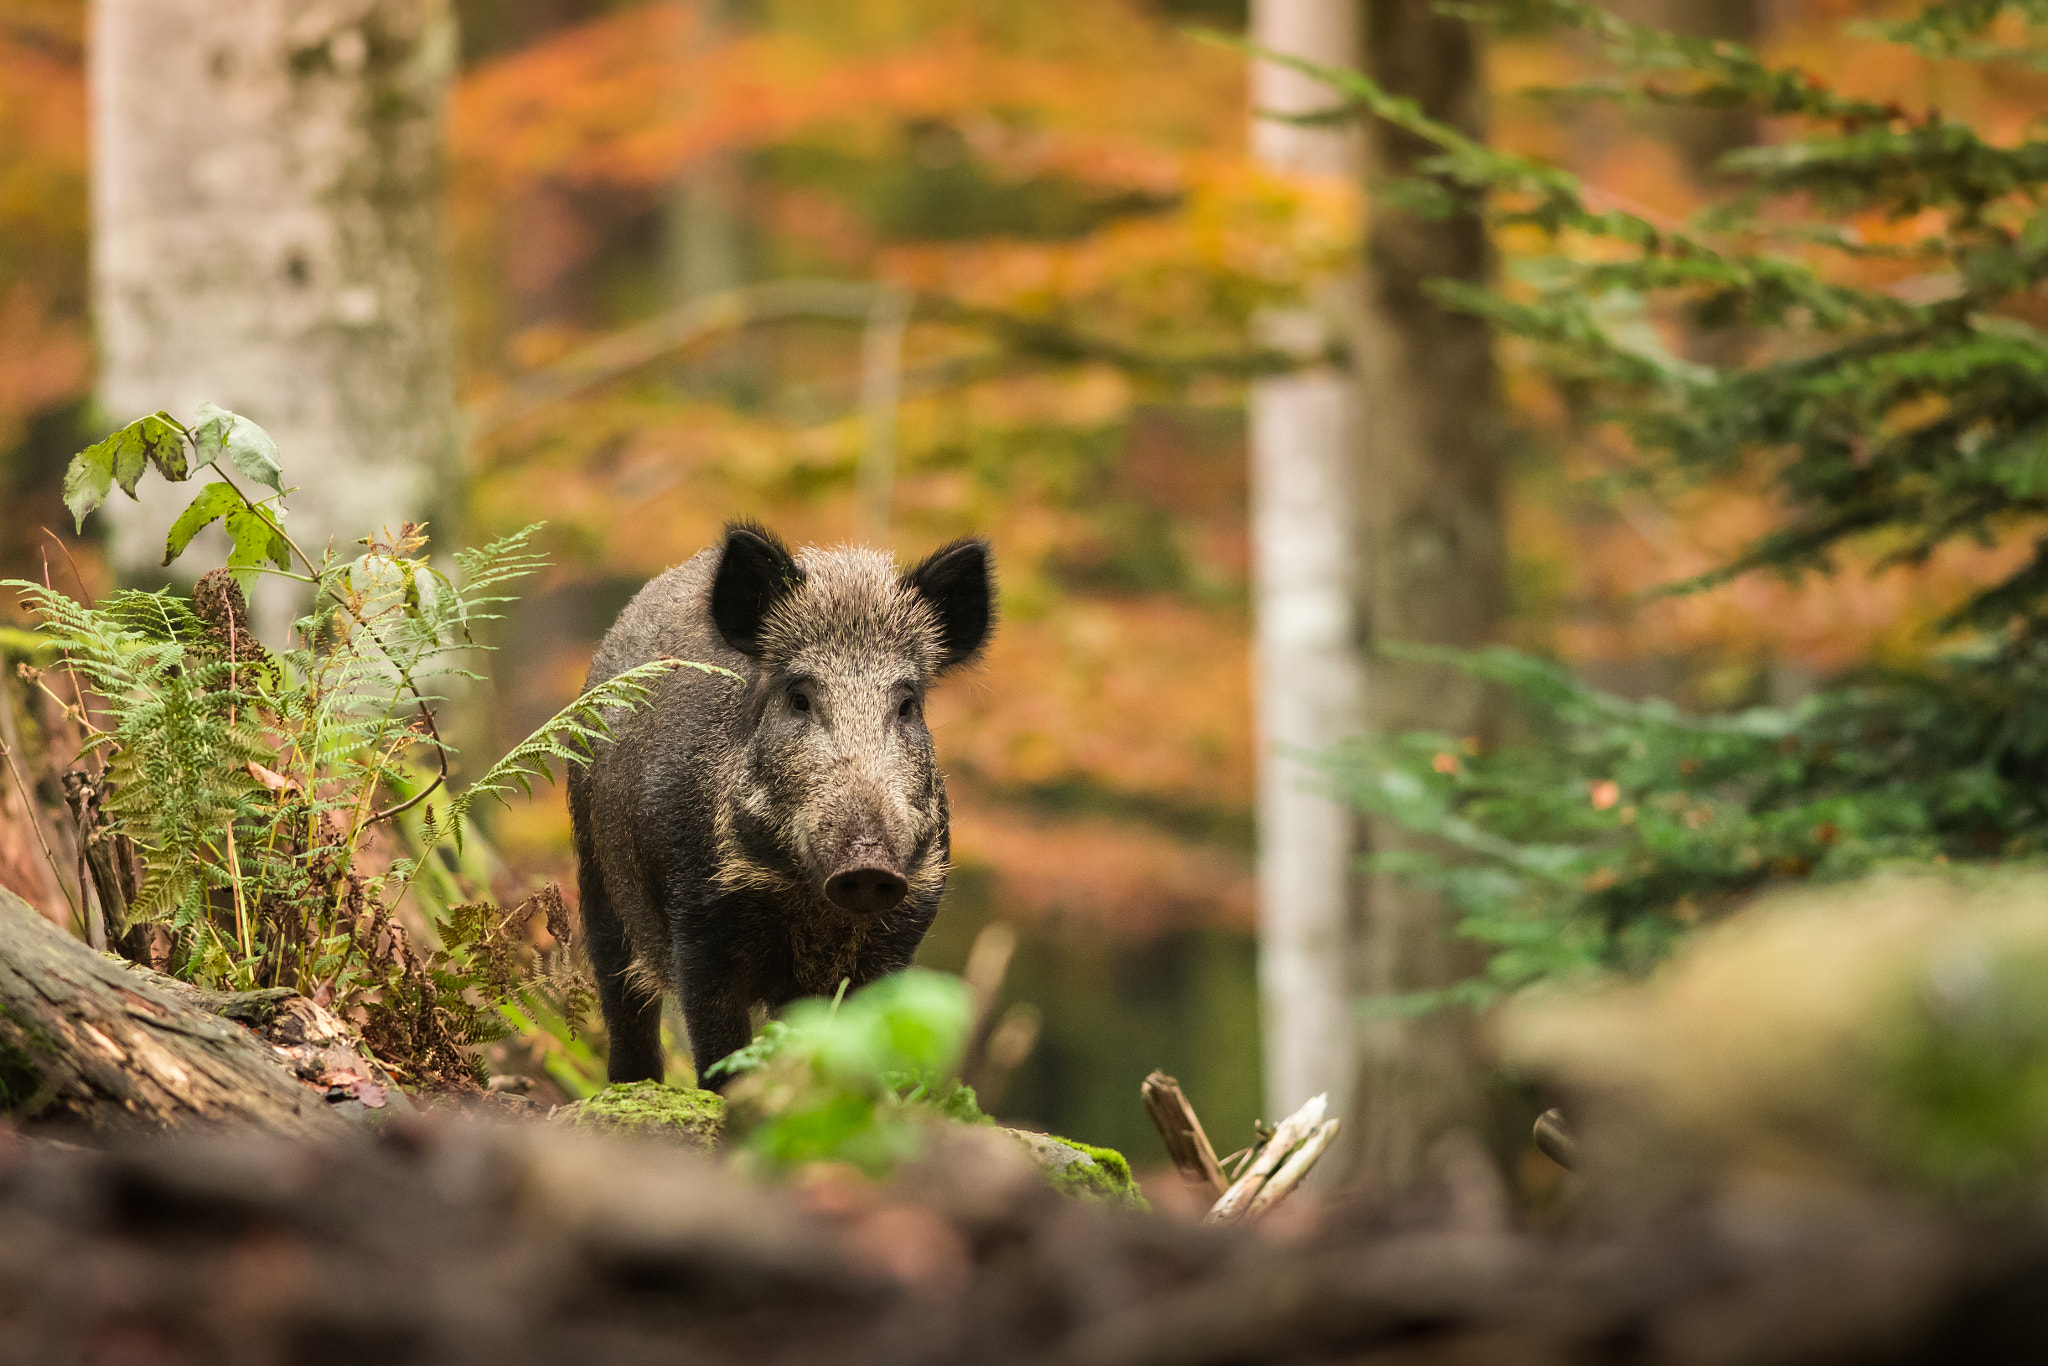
{"points": [[1081, 1169], [648, 1109]]}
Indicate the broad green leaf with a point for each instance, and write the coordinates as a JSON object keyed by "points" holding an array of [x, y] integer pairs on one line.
{"points": [[161, 440], [246, 446], [214, 502], [89, 478], [120, 459], [255, 540], [129, 458]]}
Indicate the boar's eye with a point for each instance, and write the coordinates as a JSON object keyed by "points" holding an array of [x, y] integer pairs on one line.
{"points": [[908, 708], [799, 700]]}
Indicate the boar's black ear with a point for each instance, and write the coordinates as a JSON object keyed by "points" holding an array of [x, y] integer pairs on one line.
{"points": [[959, 581], [755, 571]]}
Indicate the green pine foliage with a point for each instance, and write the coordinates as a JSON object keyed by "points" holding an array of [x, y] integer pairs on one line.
{"points": [[284, 806], [1894, 421]]}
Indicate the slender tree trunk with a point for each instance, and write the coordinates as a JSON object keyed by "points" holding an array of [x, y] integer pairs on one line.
{"points": [[1305, 540], [267, 219], [1435, 568], [704, 252], [703, 249]]}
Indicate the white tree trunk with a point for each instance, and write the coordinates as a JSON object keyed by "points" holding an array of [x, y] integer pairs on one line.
{"points": [[267, 220], [704, 249], [1305, 570]]}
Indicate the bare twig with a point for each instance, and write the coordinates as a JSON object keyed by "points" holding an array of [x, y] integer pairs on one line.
{"points": [[10, 741], [440, 752], [999, 1040], [1186, 1143], [85, 724], [988, 963], [626, 351], [846, 301], [1293, 1131], [1293, 1170]]}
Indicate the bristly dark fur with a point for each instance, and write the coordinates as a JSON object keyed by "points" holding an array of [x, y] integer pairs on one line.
{"points": [[706, 833]]}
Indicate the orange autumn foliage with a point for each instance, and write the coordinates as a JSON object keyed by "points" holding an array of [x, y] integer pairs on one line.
{"points": [[1119, 685], [1130, 693], [45, 357]]}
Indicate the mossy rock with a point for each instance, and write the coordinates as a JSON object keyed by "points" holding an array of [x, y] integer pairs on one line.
{"points": [[648, 1109], [1081, 1169]]}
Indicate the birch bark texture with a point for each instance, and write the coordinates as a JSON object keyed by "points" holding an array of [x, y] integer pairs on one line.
{"points": [[1305, 572], [267, 183], [1435, 573]]}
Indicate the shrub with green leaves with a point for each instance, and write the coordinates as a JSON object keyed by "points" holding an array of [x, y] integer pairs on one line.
{"points": [[853, 1079], [249, 784], [1883, 421]]}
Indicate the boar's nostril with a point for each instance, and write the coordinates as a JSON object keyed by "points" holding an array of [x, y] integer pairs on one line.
{"points": [[866, 889]]}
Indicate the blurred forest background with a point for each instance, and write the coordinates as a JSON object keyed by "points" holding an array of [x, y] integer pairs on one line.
{"points": [[1063, 196]]}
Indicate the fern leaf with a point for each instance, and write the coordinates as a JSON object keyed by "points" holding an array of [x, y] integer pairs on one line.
{"points": [[571, 736]]}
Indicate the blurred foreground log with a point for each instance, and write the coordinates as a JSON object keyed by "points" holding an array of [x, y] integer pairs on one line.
{"points": [[89, 1043], [504, 1246]]}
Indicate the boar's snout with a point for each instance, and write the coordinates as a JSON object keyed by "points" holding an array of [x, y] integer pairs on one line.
{"points": [[868, 882]]}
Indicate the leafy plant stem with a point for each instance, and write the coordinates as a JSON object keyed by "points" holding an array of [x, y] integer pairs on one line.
{"points": [[28, 801], [234, 863], [404, 673]]}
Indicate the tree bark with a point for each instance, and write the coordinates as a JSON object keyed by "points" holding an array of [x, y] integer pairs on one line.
{"points": [[89, 1043], [1305, 563], [267, 234], [1435, 567]]}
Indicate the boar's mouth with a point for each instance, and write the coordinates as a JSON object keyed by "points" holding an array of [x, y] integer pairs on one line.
{"points": [[870, 881]]}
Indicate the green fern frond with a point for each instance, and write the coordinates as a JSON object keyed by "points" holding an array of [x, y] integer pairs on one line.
{"points": [[571, 736]]}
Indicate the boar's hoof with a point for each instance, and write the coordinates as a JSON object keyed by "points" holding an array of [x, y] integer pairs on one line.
{"points": [[866, 889]]}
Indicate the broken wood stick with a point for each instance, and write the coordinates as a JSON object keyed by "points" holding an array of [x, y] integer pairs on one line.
{"points": [[1186, 1143], [1293, 1169], [1292, 1133], [988, 963]]}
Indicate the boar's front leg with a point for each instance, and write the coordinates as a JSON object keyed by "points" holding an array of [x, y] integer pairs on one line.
{"points": [[716, 1012], [632, 1014]]}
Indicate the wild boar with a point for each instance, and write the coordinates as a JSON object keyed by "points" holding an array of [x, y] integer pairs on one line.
{"points": [[749, 842]]}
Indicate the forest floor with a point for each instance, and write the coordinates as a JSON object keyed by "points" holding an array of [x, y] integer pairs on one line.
{"points": [[453, 1240]]}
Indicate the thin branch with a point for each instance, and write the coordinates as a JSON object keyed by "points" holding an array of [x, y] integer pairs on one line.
{"points": [[29, 802], [10, 735], [1186, 1142], [1555, 1141], [625, 351], [848, 301], [1293, 1131], [1293, 1170], [440, 751]]}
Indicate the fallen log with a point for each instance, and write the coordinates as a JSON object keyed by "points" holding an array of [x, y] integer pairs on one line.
{"points": [[90, 1043]]}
